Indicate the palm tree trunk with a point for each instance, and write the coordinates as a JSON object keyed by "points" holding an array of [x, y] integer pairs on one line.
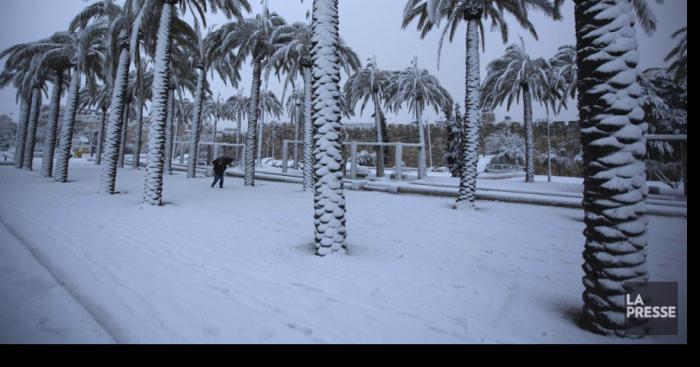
{"points": [[196, 124], [297, 123], [66, 141], [116, 119], [101, 138], [329, 198], [52, 126], [308, 132], [153, 188], [122, 140], [169, 133], [470, 138], [529, 137], [136, 160], [22, 130], [261, 134], [614, 144], [421, 140], [252, 134], [31, 130], [379, 133]]}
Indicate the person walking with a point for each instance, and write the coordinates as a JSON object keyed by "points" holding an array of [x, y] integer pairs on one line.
{"points": [[219, 172]]}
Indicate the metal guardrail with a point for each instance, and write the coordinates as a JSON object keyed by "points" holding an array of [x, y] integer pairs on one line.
{"points": [[398, 168]]}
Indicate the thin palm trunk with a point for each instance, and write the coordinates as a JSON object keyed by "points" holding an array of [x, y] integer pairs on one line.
{"points": [[66, 141], [470, 135], [297, 123], [22, 130], [30, 142], [136, 160], [252, 134], [101, 138], [308, 132], [196, 124], [52, 126], [379, 134], [261, 134], [153, 188], [122, 140], [116, 119], [614, 145], [421, 140], [329, 198], [169, 133], [529, 137]]}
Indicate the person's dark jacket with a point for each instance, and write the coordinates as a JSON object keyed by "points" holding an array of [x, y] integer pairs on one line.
{"points": [[219, 168]]}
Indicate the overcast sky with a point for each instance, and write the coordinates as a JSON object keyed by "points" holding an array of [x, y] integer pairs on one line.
{"points": [[373, 29]]}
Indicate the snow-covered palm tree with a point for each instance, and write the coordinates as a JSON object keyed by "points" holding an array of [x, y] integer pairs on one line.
{"points": [[268, 105], [612, 135], [252, 37], [153, 188], [370, 83], [86, 49], [679, 55], [208, 55], [419, 89], [329, 198], [14, 76], [516, 77], [292, 55], [565, 74], [295, 111], [429, 15]]}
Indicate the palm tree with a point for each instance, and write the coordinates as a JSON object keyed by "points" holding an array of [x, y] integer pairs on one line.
{"points": [[430, 13], [419, 89], [237, 108], [87, 52], [329, 198], [292, 55], [153, 188], [208, 54], [679, 55], [370, 83], [268, 104], [612, 135], [513, 77], [295, 111], [565, 73], [251, 37]]}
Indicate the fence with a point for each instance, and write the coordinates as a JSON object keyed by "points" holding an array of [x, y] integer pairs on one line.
{"points": [[398, 156]]}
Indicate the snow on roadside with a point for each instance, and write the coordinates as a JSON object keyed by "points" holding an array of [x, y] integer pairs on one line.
{"points": [[236, 265]]}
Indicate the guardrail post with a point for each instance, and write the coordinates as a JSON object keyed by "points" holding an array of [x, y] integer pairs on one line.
{"points": [[398, 174], [285, 155], [353, 160]]}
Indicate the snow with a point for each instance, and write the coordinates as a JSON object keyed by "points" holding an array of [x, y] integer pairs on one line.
{"points": [[237, 266]]}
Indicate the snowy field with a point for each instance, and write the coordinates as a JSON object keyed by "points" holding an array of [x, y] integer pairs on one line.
{"points": [[237, 266]]}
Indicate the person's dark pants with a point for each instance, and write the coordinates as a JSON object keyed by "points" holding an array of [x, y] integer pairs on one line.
{"points": [[220, 179]]}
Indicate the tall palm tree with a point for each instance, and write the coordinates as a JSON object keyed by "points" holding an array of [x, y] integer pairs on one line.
{"points": [[87, 51], [183, 78], [612, 135], [237, 108], [430, 14], [370, 83], [268, 105], [419, 89], [679, 55], [209, 55], [251, 37], [295, 111], [515, 77], [292, 55], [565, 74], [329, 198], [153, 188]]}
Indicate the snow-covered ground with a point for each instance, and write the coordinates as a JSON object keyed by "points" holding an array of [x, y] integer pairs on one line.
{"points": [[237, 265]]}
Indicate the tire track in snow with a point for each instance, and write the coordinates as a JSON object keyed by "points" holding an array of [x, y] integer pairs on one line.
{"points": [[101, 321]]}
